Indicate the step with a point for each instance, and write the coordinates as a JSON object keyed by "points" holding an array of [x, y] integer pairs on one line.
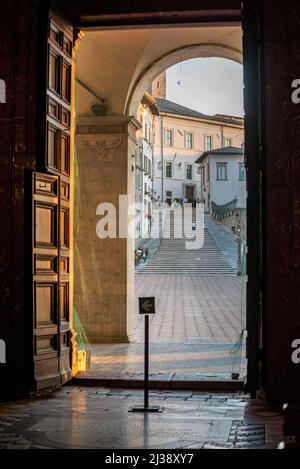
{"points": [[195, 382]]}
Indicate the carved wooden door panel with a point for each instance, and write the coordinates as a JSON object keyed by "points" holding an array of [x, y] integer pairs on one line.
{"points": [[51, 218], [45, 280]]}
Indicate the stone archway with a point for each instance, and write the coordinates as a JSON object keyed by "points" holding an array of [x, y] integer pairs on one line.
{"points": [[118, 63], [191, 51], [118, 66]]}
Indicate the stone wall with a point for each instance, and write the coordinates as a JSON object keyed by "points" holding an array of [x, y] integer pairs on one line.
{"points": [[237, 220]]}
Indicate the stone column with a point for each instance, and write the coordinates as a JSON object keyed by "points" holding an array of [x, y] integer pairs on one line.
{"points": [[104, 268]]}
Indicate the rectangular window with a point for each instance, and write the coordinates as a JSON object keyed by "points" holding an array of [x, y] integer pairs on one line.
{"points": [[221, 171], [169, 197], [208, 143], [203, 174], [145, 164], [242, 172], [150, 168], [227, 142], [168, 169], [168, 137], [189, 143], [208, 172], [189, 171]]}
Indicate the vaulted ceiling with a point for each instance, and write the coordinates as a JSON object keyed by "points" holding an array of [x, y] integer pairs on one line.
{"points": [[120, 64]]}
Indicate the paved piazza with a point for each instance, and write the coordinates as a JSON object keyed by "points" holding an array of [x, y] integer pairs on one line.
{"points": [[197, 322], [189, 308]]}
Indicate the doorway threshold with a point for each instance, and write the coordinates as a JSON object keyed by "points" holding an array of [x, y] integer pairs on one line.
{"points": [[191, 365], [164, 381]]}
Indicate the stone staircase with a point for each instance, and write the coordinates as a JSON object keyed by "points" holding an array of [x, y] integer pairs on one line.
{"points": [[172, 258]]}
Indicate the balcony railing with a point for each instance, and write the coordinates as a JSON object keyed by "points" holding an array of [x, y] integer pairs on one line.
{"points": [[223, 211]]}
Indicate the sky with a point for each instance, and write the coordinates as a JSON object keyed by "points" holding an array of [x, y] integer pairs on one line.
{"points": [[208, 85]]}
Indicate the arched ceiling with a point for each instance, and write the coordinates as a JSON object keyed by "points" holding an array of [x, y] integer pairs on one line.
{"points": [[120, 64]]}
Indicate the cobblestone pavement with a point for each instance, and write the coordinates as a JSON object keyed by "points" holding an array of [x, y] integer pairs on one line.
{"points": [[75, 417], [197, 322]]}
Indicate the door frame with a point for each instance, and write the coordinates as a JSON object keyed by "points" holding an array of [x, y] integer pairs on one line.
{"points": [[253, 61]]}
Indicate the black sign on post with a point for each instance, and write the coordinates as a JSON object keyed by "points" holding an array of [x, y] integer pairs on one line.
{"points": [[146, 307]]}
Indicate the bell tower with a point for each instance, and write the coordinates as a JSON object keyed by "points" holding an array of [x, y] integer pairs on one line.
{"points": [[159, 86]]}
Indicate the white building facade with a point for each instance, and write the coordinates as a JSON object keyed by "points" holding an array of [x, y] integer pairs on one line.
{"points": [[144, 166], [223, 177], [181, 135]]}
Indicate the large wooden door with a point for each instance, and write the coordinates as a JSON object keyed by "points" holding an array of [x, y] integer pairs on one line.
{"points": [[52, 218]]}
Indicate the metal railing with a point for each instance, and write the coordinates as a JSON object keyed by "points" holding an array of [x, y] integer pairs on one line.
{"points": [[223, 211]]}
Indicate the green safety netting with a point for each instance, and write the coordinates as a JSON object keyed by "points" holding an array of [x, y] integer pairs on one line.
{"points": [[81, 337], [237, 353]]}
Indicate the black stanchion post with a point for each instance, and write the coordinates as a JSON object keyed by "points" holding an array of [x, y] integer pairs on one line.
{"points": [[146, 364], [146, 306]]}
